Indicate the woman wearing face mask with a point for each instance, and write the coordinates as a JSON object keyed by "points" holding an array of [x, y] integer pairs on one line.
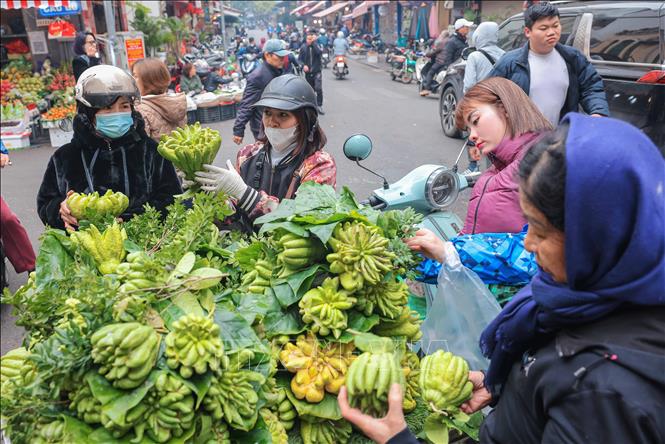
{"points": [[273, 168], [109, 150], [503, 123]]}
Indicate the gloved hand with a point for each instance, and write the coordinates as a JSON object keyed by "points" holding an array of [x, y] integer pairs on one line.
{"points": [[214, 179]]}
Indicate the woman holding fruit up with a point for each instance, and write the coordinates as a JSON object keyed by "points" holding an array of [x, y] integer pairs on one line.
{"points": [[85, 48], [110, 150]]}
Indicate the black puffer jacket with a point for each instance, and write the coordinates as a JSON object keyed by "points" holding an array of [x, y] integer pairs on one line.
{"points": [[129, 164], [256, 83], [453, 49]]}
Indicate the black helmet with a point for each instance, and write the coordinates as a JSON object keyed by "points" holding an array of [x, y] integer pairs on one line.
{"points": [[288, 92]]}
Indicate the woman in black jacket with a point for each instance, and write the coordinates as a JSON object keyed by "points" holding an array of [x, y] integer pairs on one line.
{"points": [[578, 355], [85, 48], [110, 151]]}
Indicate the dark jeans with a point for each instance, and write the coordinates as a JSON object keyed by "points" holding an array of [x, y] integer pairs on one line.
{"points": [[315, 80], [434, 70]]}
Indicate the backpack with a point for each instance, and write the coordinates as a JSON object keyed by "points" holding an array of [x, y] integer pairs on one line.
{"points": [[488, 56]]}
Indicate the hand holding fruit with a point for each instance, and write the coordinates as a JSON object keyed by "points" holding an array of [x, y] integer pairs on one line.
{"points": [[427, 243], [480, 397], [66, 215], [215, 179], [378, 430]]}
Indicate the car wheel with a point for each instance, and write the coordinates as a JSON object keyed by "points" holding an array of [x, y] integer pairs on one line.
{"points": [[447, 107]]}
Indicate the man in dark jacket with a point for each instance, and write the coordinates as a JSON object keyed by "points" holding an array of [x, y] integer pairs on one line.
{"points": [[558, 78], [445, 56], [274, 53], [310, 59]]}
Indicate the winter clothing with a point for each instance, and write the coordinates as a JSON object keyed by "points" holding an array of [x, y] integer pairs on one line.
{"points": [[340, 46], [601, 382], [15, 240], [310, 55], [282, 181], [191, 84], [585, 86], [494, 204], [163, 113], [478, 65], [256, 83], [614, 243], [129, 164], [438, 52], [453, 49], [82, 62]]}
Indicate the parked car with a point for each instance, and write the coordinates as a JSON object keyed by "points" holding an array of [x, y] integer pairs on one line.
{"points": [[625, 41]]}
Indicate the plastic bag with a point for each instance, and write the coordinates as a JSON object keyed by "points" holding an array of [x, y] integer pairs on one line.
{"points": [[460, 311]]}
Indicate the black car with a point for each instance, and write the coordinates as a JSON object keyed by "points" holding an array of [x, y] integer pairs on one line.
{"points": [[625, 41]]}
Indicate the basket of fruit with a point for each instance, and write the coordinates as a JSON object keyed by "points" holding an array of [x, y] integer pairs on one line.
{"points": [[59, 117]]}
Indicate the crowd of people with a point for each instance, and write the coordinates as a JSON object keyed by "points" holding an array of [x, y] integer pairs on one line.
{"points": [[583, 339]]}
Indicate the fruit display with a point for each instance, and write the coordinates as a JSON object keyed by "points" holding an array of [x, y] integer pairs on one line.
{"points": [[12, 111], [33, 84], [60, 112], [5, 86], [190, 147], [85, 205], [369, 380], [164, 329], [106, 248], [62, 81]]}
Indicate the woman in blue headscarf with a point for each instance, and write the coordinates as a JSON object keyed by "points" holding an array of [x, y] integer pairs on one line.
{"points": [[578, 356]]}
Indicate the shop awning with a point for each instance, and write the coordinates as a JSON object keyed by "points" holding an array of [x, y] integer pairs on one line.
{"points": [[363, 8], [333, 9], [303, 6], [22, 4], [312, 8], [231, 12]]}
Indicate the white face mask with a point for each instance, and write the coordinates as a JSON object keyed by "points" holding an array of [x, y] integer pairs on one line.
{"points": [[281, 138]]}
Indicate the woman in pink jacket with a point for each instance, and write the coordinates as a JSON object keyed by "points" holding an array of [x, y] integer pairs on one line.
{"points": [[503, 123]]}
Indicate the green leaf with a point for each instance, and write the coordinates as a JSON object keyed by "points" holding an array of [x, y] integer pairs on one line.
{"points": [[435, 430], [188, 303], [284, 294], [368, 342], [118, 407], [283, 323], [185, 264], [101, 389], [258, 435], [103, 436], [235, 331], [199, 384], [203, 278], [301, 282], [324, 232], [131, 246], [53, 258], [169, 312], [326, 409], [247, 256], [284, 225], [75, 430], [358, 322], [469, 425], [251, 305], [207, 300]]}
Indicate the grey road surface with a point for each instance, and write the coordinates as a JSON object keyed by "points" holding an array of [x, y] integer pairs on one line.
{"points": [[404, 129]]}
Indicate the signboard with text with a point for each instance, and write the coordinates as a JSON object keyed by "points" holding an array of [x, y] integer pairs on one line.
{"points": [[73, 7], [135, 50]]}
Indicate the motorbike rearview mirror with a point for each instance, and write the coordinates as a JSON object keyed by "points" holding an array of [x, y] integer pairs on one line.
{"points": [[358, 147]]}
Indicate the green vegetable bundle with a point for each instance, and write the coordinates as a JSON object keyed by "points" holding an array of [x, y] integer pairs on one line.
{"points": [[190, 147]]}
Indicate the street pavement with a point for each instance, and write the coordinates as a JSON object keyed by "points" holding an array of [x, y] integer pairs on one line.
{"points": [[403, 127]]}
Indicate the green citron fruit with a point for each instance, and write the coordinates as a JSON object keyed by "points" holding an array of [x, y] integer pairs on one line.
{"points": [[444, 381]]}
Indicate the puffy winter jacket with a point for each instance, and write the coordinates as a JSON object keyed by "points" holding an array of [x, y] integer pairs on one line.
{"points": [[82, 62], [191, 84], [129, 164], [494, 204], [585, 86], [452, 49], [478, 65], [256, 83], [163, 113]]}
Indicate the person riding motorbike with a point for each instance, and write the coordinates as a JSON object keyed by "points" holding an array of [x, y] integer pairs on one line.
{"points": [[110, 150], [322, 39], [252, 48], [290, 153], [452, 50], [436, 55], [340, 45], [577, 356]]}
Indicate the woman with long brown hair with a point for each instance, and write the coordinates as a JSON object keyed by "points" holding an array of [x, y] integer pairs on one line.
{"points": [[503, 123], [291, 152]]}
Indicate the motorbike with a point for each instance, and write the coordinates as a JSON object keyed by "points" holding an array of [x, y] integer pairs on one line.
{"points": [[340, 68], [248, 64], [404, 66], [422, 68], [325, 57], [430, 190]]}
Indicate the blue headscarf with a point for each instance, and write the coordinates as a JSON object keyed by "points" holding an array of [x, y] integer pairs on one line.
{"points": [[614, 240]]}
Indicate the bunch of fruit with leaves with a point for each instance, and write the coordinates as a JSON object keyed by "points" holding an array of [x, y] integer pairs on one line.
{"points": [[62, 81]]}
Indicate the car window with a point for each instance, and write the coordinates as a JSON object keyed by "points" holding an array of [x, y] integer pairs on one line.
{"points": [[624, 39], [511, 34]]}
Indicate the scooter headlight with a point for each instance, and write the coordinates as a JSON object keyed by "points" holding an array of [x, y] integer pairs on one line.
{"points": [[442, 188]]}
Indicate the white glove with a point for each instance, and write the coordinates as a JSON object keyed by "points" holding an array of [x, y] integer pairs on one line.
{"points": [[215, 179]]}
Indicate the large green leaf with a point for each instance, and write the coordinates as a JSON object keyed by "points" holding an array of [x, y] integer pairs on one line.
{"points": [[101, 389], [326, 409], [283, 323], [53, 258], [258, 435], [368, 342], [75, 430], [436, 430], [103, 436], [188, 303], [247, 256], [118, 407], [199, 384], [284, 225], [301, 282], [358, 322], [169, 312], [284, 294], [324, 232], [235, 331], [251, 305]]}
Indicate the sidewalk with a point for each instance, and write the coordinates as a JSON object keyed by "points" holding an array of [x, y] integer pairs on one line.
{"points": [[362, 58]]}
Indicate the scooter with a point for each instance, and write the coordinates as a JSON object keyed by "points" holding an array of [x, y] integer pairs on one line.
{"points": [[325, 57], [422, 68], [340, 68], [430, 190], [248, 64], [404, 66]]}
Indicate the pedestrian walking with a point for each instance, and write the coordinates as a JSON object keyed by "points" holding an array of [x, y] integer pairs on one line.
{"points": [[161, 112], [274, 55], [86, 53], [288, 154], [577, 355], [310, 59], [110, 150], [450, 51], [558, 78]]}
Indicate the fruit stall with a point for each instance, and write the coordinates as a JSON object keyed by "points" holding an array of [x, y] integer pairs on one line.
{"points": [[168, 330], [35, 102]]}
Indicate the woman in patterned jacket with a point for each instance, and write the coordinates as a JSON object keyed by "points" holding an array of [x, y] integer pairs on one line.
{"points": [[291, 153]]}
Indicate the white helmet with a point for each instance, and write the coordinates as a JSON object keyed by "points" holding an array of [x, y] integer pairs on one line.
{"points": [[322, 31], [101, 85], [340, 35]]}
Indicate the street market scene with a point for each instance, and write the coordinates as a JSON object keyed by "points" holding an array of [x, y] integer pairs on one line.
{"points": [[327, 222]]}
